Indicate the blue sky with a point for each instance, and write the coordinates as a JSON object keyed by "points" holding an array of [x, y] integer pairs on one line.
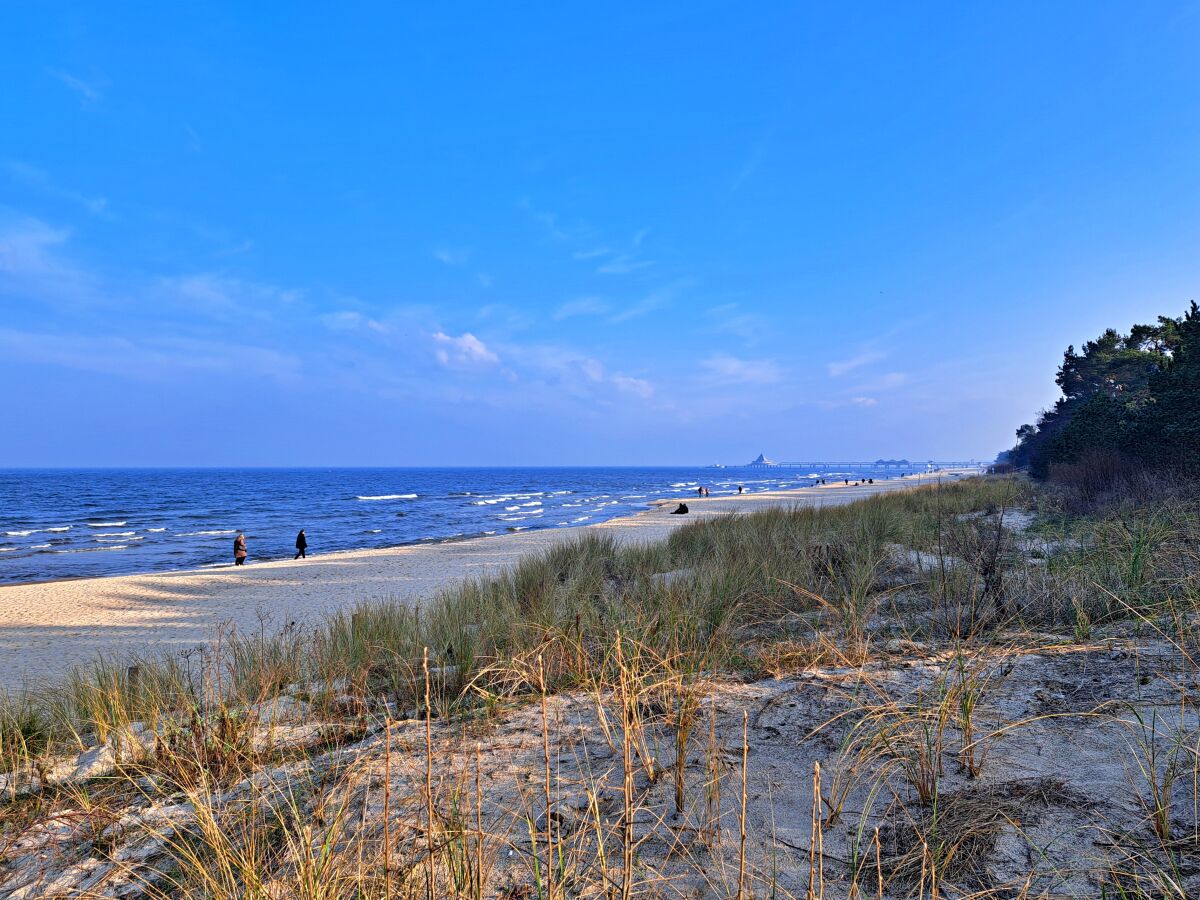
{"points": [[408, 234]]}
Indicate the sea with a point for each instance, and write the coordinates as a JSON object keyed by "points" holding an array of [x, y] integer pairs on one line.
{"points": [[77, 523]]}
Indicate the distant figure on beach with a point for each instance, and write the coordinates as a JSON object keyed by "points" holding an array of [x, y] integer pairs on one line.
{"points": [[301, 545], [739, 488], [870, 481], [699, 492], [680, 510], [239, 550]]}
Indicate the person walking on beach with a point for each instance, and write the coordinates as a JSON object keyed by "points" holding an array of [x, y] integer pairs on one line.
{"points": [[739, 488], [239, 550], [301, 545], [699, 492]]}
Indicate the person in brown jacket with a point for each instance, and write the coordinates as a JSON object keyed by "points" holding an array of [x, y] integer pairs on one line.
{"points": [[239, 550]]}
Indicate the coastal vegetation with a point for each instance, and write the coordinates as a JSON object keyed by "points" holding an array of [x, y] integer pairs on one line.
{"points": [[1130, 405], [976, 687]]}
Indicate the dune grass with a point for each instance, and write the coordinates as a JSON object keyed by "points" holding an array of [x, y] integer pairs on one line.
{"points": [[644, 630]]}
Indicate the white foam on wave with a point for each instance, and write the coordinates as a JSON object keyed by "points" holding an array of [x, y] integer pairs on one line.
{"points": [[391, 497], [9, 549], [109, 535], [38, 546], [61, 528], [92, 549], [155, 530], [21, 533], [207, 533], [534, 503], [119, 537], [105, 524], [511, 508]]}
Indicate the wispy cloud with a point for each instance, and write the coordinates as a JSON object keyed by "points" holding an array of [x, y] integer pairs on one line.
{"points": [[221, 295], [731, 370], [452, 256], [637, 386], [864, 401], [729, 318], [547, 219], [41, 180], [757, 153], [885, 382], [90, 91], [464, 350], [350, 320], [866, 357], [623, 264], [655, 300], [33, 267], [584, 306], [147, 358], [193, 139]]}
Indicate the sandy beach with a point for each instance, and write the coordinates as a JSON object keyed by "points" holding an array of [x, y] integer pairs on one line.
{"points": [[47, 628]]}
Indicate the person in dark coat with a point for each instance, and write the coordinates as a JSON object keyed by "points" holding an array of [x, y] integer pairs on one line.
{"points": [[301, 545], [239, 550]]}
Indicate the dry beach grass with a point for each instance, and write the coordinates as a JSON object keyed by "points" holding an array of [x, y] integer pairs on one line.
{"points": [[962, 690]]}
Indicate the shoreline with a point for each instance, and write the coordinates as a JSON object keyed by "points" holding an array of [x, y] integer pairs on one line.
{"points": [[651, 505], [47, 627]]}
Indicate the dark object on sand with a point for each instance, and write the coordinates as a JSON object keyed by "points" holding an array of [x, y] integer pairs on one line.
{"points": [[301, 545], [239, 550], [680, 510]]}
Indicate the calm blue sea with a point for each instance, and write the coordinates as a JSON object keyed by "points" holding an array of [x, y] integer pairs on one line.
{"points": [[77, 523]]}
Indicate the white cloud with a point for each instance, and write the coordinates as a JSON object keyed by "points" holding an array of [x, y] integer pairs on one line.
{"points": [[863, 401], [841, 367], [594, 253], [466, 349], [584, 306], [731, 370]]}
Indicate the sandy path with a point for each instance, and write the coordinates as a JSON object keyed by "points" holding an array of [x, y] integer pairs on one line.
{"points": [[47, 628]]}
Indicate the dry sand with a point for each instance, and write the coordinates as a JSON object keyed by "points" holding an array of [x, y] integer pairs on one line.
{"points": [[47, 628]]}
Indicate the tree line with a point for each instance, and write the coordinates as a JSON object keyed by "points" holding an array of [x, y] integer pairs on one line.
{"points": [[1131, 397]]}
